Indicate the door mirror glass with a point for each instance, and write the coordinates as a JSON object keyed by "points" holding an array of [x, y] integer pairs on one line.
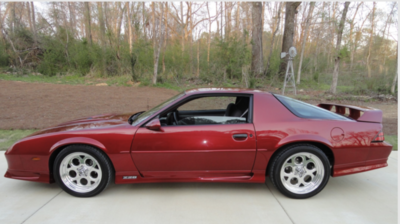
{"points": [[154, 125]]}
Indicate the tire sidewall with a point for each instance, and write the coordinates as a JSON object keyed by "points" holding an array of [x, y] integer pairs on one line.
{"points": [[281, 159], [104, 166]]}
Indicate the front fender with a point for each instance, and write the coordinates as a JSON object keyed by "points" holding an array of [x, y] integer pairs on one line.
{"points": [[78, 140]]}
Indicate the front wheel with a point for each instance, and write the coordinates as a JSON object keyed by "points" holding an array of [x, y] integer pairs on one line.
{"points": [[300, 171], [82, 171]]}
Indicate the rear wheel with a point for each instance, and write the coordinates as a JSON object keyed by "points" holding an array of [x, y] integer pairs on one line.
{"points": [[300, 171], [82, 171]]}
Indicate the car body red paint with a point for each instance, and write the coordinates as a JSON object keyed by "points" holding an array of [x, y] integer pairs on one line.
{"points": [[204, 153]]}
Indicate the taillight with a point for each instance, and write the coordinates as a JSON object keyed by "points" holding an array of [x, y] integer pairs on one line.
{"points": [[379, 137]]}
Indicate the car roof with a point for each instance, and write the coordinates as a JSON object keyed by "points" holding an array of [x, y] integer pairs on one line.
{"points": [[223, 90]]}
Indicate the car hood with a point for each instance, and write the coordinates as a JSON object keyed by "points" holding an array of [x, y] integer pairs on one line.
{"points": [[97, 121]]}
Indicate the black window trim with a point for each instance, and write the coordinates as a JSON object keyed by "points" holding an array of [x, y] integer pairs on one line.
{"points": [[201, 95], [295, 114]]}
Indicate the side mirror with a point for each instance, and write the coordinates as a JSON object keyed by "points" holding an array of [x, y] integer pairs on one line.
{"points": [[154, 125]]}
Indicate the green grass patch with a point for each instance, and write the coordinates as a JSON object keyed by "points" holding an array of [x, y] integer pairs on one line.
{"points": [[9, 137], [65, 79], [392, 139]]}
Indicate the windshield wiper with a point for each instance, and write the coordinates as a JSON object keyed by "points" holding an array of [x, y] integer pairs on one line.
{"points": [[134, 116]]}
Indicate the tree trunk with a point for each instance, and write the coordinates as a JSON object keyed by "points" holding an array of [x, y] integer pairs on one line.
{"points": [[183, 26], [166, 36], [208, 36], [144, 20], [288, 33], [273, 37], [337, 53], [371, 36], [159, 44], [119, 24], [34, 23], [257, 53], [198, 56], [190, 16], [12, 16], [222, 13], [216, 14], [393, 88], [28, 9], [130, 39], [101, 37], [316, 53], [72, 24], [310, 11], [237, 23], [384, 32], [88, 25], [351, 36], [2, 18]]}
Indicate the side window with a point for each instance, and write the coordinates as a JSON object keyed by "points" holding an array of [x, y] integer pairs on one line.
{"points": [[208, 103], [210, 110]]}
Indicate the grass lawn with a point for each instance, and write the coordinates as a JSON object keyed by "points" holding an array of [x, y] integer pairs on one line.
{"points": [[392, 139], [9, 137]]}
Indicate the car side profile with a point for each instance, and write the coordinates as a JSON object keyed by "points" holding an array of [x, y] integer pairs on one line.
{"points": [[207, 135]]}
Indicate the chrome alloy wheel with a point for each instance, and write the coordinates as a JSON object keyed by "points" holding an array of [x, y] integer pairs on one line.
{"points": [[302, 173], [80, 172]]}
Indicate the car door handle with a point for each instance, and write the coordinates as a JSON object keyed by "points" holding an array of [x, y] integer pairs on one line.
{"points": [[240, 137]]}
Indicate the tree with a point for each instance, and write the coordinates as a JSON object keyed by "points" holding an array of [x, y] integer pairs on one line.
{"points": [[337, 53], [352, 23], [392, 89], [101, 37], [88, 25], [158, 38], [278, 18], [130, 37], [370, 40], [257, 53], [287, 42], [310, 11]]}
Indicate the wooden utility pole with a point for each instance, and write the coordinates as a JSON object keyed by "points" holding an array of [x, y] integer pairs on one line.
{"points": [[337, 53]]}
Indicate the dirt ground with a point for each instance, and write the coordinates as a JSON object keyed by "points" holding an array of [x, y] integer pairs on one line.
{"points": [[39, 105]]}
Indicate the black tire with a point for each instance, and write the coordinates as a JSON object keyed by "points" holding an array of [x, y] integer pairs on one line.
{"points": [[283, 184], [88, 154]]}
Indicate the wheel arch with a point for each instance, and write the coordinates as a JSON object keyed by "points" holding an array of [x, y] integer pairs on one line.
{"points": [[324, 148], [59, 146]]}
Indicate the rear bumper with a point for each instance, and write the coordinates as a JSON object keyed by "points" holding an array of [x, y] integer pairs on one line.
{"points": [[378, 156]]}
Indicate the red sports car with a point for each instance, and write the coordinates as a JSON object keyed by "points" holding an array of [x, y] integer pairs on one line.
{"points": [[207, 135]]}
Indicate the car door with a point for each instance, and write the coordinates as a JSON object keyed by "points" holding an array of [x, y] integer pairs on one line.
{"points": [[192, 151]]}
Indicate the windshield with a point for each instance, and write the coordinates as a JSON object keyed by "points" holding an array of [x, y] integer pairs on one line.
{"points": [[150, 112], [306, 110]]}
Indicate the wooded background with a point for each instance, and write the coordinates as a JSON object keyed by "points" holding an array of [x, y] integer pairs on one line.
{"points": [[346, 46]]}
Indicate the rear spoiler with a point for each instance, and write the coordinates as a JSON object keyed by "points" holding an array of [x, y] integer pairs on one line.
{"points": [[359, 113]]}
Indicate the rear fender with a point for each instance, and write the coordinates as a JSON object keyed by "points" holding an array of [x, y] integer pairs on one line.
{"points": [[302, 138]]}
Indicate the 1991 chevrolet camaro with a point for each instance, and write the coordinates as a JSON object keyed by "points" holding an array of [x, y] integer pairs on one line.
{"points": [[207, 135]]}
